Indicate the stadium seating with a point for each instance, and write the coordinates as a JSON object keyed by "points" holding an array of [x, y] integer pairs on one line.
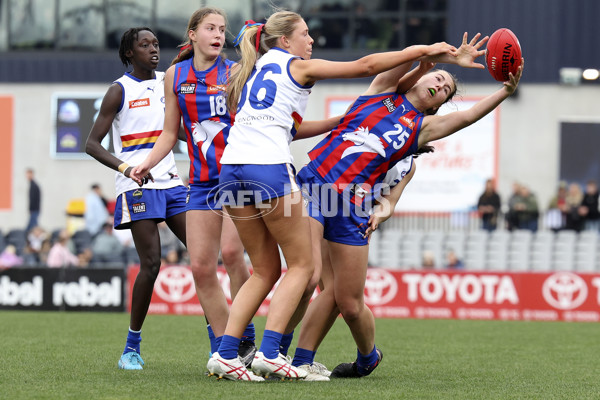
{"points": [[500, 250], [18, 238]]}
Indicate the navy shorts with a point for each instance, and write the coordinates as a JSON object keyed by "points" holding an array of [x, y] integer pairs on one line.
{"points": [[157, 204], [203, 196], [245, 184], [343, 221]]}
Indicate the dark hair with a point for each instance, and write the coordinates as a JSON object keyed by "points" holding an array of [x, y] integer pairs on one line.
{"points": [[426, 148], [130, 36]]}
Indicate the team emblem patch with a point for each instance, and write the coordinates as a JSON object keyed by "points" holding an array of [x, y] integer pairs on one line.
{"points": [[187, 88], [389, 104], [139, 208], [137, 194]]}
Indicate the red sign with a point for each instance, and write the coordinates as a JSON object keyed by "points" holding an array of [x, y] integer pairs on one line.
{"points": [[558, 296]]}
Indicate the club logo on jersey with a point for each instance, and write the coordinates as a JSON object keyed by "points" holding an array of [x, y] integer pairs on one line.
{"points": [[137, 194], [364, 142], [389, 104], [204, 132], [187, 88], [139, 208], [139, 103], [214, 89], [173, 176]]}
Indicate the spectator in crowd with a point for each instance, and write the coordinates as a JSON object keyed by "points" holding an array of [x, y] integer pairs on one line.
{"points": [[60, 254], [574, 221], [489, 206], [96, 213], [428, 259], [556, 215], [9, 257], [523, 209], [35, 239], [35, 200], [589, 206], [106, 247], [452, 260], [511, 215]]}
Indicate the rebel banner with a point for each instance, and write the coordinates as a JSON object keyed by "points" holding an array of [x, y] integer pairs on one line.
{"points": [[67, 289], [549, 296]]}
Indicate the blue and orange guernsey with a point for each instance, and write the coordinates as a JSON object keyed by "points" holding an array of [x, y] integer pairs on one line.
{"points": [[201, 99], [376, 133], [137, 126]]}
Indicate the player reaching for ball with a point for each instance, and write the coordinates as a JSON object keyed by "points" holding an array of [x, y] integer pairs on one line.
{"points": [[342, 170]]}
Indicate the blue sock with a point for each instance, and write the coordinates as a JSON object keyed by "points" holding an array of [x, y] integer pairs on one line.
{"points": [[133, 341], [211, 336], [228, 348], [286, 341], [270, 344], [218, 341], [303, 356], [249, 334], [364, 363]]}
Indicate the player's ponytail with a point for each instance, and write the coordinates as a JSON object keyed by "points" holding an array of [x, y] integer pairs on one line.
{"points": [[251, 47]]}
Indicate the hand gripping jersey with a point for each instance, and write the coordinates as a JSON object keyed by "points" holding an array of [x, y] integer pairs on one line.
{"points": [[376, 133], [269, 113], [137, 126], [201, 99]]}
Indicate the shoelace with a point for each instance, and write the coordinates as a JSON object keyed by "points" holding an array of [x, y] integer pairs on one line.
{"points": [[320, 368]]}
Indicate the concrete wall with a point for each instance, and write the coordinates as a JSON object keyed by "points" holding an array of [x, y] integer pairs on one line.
{"points": [[529, 142]]}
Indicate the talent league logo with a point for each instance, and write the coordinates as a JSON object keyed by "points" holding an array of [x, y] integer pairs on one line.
{"points": [[380, 288], [564, 290], [175, 284]]}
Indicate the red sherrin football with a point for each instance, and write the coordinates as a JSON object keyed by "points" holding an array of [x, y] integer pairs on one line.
{"points": [[503, 54]]}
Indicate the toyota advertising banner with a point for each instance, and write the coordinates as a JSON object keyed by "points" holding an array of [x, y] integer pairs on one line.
{"points": [[557, 296]]}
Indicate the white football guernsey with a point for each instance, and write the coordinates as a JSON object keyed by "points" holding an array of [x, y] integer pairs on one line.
{"points": [[137, 126], [269, 113]]}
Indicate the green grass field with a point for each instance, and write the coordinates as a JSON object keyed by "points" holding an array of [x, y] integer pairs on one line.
{"points": [[47, 355]]}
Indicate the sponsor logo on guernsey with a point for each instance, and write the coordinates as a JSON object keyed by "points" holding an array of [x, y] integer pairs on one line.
{"points": [[187, 88], [214, 89], [139, 208], [389, 104], [407, 122], [137, 194], [139, 103]]}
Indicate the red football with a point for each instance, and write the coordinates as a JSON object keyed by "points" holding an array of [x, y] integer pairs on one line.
{"points": [[503, 54]]}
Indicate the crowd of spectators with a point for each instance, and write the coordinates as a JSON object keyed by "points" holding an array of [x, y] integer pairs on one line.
{"points": [[571, 208]]}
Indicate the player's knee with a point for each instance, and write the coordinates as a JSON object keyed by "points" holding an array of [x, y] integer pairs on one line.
{"points": [[150, 266], [233, 257], [350, 309]]}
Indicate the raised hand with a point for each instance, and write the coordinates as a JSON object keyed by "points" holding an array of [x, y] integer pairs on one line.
{"points": [[513, 80], [469, 51], [441, 49]]}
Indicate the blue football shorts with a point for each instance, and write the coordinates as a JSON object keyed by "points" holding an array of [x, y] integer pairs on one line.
{"points": [[246, 184], [343, 221], [156, 204], [203, 196]]}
